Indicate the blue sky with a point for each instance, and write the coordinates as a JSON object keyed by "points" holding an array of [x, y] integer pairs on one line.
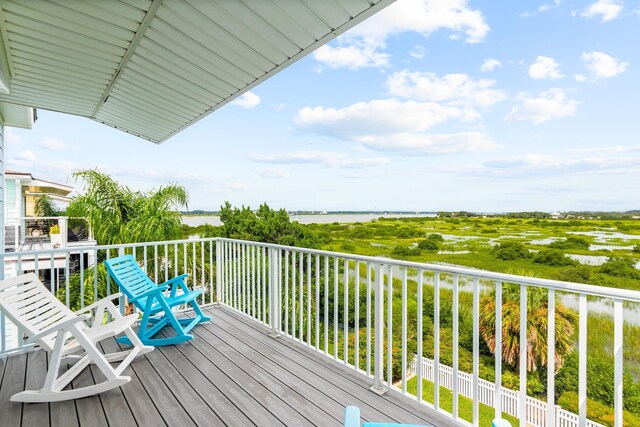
{"points": [[429, 105]]}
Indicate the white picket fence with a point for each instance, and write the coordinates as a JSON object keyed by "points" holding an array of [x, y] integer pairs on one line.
{"points": [[536, 410]]}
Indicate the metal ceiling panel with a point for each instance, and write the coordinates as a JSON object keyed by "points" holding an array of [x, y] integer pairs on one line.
{"points": [[154, 67]]}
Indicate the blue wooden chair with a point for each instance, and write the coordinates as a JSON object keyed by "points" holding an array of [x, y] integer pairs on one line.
{"points": [[352, 419], [155, 306]]}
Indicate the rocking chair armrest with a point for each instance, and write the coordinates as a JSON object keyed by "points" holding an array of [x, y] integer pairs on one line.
{"points": [[158, 290], [179, 279], [58, 326], [98, 303]]}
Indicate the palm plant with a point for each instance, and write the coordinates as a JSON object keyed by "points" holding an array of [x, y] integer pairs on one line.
{"points": [[118, 214], [537, 321]]}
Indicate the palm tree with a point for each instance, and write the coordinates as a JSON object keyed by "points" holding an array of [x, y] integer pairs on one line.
{"points": [[537, 321], [117, 214]]}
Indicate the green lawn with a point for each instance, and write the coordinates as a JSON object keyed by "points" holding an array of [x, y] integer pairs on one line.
{"points": [[465, 405]]}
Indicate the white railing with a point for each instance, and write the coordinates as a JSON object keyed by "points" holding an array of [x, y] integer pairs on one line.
{"points": [[74, 271], [535, 411], [342, 305]]}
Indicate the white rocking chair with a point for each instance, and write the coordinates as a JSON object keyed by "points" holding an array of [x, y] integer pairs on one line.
{"points": [[68, 337]]}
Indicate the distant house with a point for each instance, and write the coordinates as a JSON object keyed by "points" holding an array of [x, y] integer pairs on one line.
{"points": [[22, 191], [25, 231], [556, 215]]}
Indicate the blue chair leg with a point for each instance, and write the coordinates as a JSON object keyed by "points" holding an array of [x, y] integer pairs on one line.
{"points": [[351, 416]]}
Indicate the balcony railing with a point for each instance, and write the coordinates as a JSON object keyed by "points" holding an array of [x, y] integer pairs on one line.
{"points": [[343, 306], [33, 233]]}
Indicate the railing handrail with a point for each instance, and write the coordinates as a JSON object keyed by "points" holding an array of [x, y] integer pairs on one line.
{"points": [[578, 288], [44, 217], [104, 247]]}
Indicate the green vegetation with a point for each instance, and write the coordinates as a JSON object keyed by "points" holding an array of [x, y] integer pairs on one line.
{"points": [[553, 257], [515, 244], [465, 405], [45, 206], [570, 243], [117, 214], [265, 225]]}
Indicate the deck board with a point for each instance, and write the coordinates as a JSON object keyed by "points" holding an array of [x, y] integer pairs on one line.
{"points": [[232, 373]]}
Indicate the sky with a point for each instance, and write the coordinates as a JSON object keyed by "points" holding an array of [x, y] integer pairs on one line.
{"points": [[429, 105]]}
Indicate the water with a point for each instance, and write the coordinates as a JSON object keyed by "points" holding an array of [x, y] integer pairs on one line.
{"points": [[588, 259], [605, 236], [610, 248], [194, 221]]}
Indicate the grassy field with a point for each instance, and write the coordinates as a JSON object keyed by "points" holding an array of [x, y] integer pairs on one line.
{"points": [[465, 405], [469, 242]]}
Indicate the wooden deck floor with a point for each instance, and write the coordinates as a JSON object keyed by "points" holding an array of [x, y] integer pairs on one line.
{"points": [[232, 373]]}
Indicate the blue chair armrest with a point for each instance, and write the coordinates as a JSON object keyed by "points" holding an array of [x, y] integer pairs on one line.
{"points": [[148, 293], [352, 416], [500, 423]]}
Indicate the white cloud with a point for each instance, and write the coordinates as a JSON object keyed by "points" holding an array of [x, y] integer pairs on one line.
{"points": [[353, 53], [247, 100], [417, 52], [363, 45], [551, 165], [609, 149], [602, 65], [328, 158], [53, 144], [426, 17], [452, 89], [383, 116], [545, 68], [608, 10], [546, 105], [10, 138], [580, 78], [544, 8], [548, 6], [490, 64], [276, 173], [424, 144], [25, 156]]}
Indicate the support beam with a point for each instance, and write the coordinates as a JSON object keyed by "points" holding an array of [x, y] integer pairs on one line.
{"points": [[146, 21]]}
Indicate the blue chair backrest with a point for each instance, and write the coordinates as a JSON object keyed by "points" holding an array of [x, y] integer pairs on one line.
{"points": [[130, 278]]}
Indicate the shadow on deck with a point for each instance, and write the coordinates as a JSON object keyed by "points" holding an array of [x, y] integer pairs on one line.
{"points": [[232, 373]]}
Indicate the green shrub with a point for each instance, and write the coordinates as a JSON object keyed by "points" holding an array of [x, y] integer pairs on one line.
{"points": [[577, 274], [349, 247], [570, 243], [621, 267], [404, 251], [437, 237], [429, 245], [553, 257], [636, 249], [510, 250], [361, 232], [596, 411]]}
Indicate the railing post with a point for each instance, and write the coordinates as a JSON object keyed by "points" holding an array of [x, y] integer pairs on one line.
{"points": [[378, 320], [274, 292], [122, 301], [64, 232], [219, 261]]}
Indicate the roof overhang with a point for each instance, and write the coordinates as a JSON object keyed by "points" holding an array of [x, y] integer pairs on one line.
{"points": [[153, 67], [17, 116]]}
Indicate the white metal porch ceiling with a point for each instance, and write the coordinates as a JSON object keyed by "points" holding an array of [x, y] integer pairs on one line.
{"points": [[154, 67]]}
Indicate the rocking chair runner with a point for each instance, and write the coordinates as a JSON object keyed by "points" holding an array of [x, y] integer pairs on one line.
{"points": [[67, 337], [152, 301]]}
